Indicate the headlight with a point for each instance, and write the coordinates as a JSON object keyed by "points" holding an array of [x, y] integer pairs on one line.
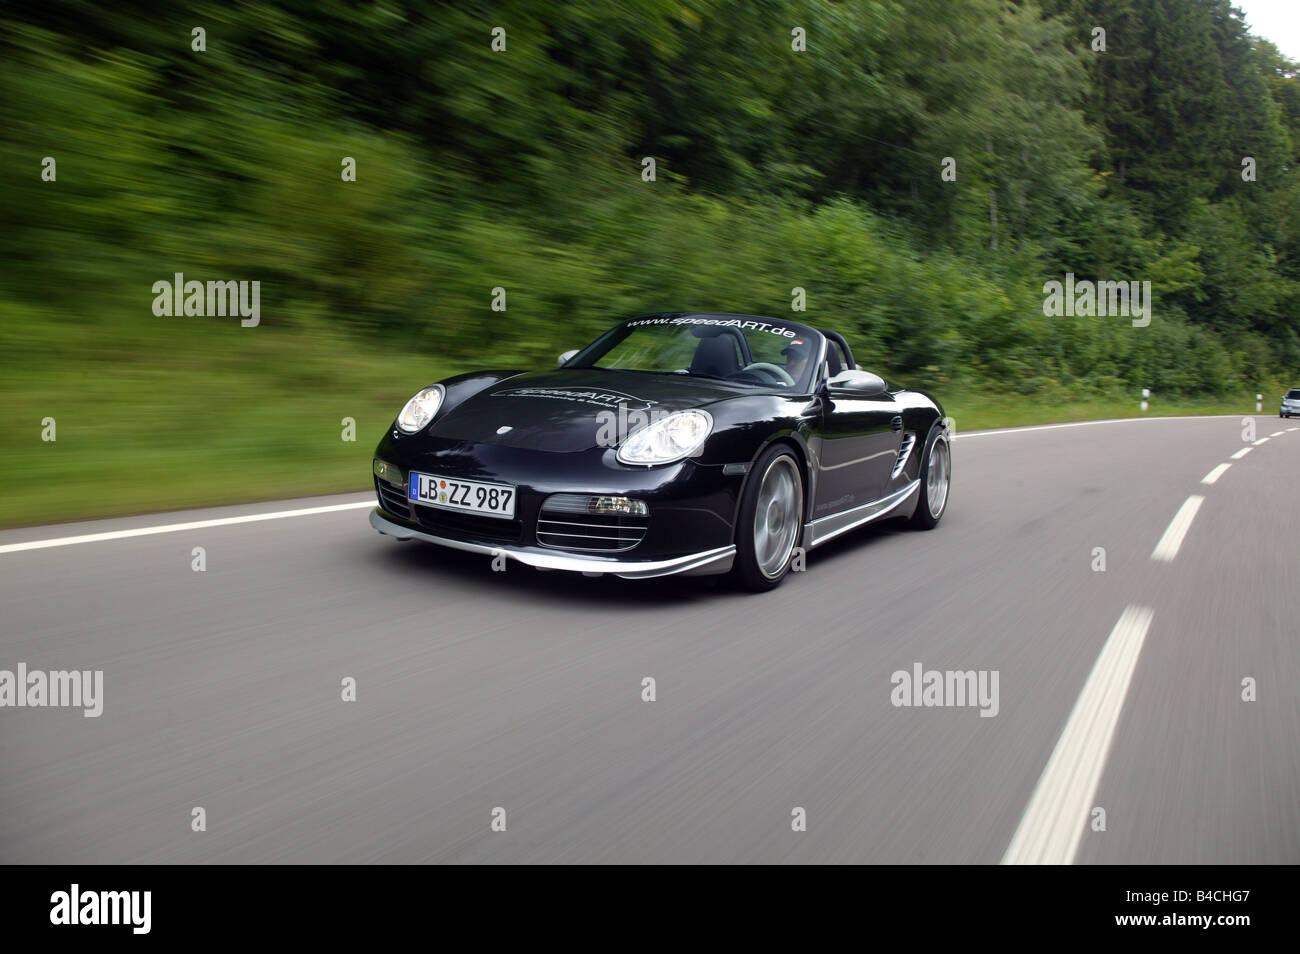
{"points": [[678, 435], [419, 411]]}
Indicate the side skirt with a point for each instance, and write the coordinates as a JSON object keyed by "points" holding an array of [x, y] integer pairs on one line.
{"points": [[829, 527]]}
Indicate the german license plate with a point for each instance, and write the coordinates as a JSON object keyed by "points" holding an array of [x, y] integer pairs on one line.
{"points": [[453, 493]]}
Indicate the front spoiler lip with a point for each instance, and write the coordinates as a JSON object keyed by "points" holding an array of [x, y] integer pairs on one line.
{"points": [[706, 562]]}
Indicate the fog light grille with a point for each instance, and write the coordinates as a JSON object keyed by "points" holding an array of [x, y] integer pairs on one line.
{"points": [[592, 523]]}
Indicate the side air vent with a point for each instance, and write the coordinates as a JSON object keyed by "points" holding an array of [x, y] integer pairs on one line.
{"points": [[909, 441]]}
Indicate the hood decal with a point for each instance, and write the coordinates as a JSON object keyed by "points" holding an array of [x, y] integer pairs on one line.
{"points": [[602, 398], [568, 410]]}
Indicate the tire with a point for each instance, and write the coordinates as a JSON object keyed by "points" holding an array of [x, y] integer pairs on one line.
{"points": [[771, 521], [933, 500]]}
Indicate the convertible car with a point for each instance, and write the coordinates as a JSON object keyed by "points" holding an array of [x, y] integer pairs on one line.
{"points": [[674, 443]]}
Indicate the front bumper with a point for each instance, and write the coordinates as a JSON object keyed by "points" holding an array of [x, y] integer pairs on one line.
{"points": [[704, 563], [692, 507]]}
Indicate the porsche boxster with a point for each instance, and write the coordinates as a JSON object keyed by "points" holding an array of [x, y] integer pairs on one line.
{"points": [[689, 443]]}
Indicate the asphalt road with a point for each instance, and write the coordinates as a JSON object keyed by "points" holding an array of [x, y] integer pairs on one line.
{"points": [[523, 690]]}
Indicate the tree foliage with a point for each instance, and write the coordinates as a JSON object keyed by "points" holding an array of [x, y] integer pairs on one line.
{"points": [[777, 168]]}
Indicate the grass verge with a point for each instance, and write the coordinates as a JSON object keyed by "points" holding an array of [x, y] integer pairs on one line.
{"points": [[184, 415]]}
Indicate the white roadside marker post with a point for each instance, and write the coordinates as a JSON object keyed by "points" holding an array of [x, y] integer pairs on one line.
{"points": [[1259, 403], [1146, 393]]}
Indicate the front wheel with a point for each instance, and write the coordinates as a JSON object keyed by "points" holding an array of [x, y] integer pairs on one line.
{"points": [[771, 521], [936, 477]]}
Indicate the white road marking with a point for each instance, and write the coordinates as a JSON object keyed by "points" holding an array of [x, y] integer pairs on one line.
{"points": [[1215, 474], [1289, 429], [1277, 434], [1054, 820], [1262, 440], [1168, 546], [1242, 453], [174, 527]]}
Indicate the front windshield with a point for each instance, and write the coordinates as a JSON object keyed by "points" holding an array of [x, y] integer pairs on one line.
{"points": [[752, 351]]}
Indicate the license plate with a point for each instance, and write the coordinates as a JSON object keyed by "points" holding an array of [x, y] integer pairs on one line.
{"points": [[491, 500]]}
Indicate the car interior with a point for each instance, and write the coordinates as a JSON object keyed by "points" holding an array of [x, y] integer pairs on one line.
{"points": [[717, 355]]}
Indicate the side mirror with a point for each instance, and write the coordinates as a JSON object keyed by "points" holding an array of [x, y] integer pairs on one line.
{"points": [[566, 356], [857, 383]]}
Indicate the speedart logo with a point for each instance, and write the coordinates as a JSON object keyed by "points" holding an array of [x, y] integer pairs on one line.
{"points": [[946, 688], [55, 689], [1088, 299], [597, 398], [194, 299], [75, 907], [719, 323]]}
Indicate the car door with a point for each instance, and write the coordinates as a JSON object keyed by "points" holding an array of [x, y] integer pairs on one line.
{"points": [[860, 439]]}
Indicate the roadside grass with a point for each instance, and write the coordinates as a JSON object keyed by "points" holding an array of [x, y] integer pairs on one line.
{"points": [[972, 411], [191, 414], [196, 419]]}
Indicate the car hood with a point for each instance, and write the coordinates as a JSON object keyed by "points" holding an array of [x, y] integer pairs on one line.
{"points": [[565, 410]]}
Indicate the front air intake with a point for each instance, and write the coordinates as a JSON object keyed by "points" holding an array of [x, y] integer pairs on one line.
{"points": [[581, 522]]}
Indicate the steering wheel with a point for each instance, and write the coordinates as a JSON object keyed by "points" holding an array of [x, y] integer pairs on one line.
{"points": [[774, 372]]}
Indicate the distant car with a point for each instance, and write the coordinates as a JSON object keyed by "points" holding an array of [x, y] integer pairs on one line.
{"points": [[675, 443], [1290, 403]]}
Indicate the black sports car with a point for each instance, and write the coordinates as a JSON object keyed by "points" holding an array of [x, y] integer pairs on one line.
{"points": [[674, 443]]}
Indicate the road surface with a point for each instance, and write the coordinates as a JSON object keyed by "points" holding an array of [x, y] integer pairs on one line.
{"points": [[1118, 689]]}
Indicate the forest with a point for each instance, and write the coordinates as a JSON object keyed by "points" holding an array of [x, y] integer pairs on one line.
{"points": [[429, 187]]}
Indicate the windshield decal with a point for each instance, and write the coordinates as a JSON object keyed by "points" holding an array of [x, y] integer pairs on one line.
{"points": [[746, 325]]}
